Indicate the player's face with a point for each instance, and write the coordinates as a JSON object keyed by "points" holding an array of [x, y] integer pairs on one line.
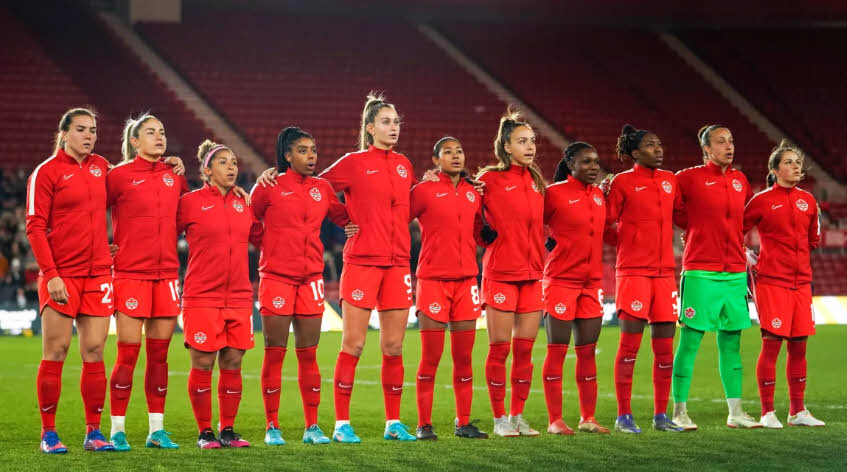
{"points": [[721, 147], [585, 166], [81, 136], [303, 156], [223, 169], [385, 128], [151, 140], [790, 169], [521, 146], [451, 158], [650, 153]]}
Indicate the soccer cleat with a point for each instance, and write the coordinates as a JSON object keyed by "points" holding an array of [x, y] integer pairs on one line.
{"points": [[661, 422], [314, 435], [626, 424], [804, 418], [273, 437], [522, 426], [161, 439], [96, 442], [207, 440], [398, 432], [345, 434], [425, 433], [229, 438], [770, 421], [589, 425], [469, 431], [683, 421], [505, 429], [50, 443], [559, 427], [119, 441], [742, 420]]}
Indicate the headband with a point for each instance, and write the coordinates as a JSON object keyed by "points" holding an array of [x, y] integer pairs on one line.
{"points": [[210, 153]]}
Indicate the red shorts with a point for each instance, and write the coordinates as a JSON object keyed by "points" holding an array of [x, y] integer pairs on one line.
{"points": [[449, 300], [567, 303], [785, 312], [517, 297], [655, 299], [92, 296], [280, 298], [147, 298], [383, 288], [212, 329]]}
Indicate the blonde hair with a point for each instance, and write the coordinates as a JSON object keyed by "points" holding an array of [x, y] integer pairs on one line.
{"points": [[374, 103], [776, 157], [131, 129], [65, 123], [509, 122]]}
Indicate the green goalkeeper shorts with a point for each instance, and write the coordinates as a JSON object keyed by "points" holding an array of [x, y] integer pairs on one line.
{"points": [[713, 301]]}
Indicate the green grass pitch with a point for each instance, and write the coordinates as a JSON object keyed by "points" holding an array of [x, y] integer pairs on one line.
{"points": [[714, 446]]}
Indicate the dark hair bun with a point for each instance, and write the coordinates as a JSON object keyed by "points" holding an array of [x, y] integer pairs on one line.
{"points": [[628, 129]]}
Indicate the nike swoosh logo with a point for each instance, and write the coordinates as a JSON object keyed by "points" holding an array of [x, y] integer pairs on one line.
{"points": [[269, 391], [136, 182], [573, 201], [465, 379], [439, 195], [522, 381], [373, 171], [48, 408], [122, 386], [509, 189], [285, 194], [802, 380], [232, 392], [201, 390], [68, 176], [590, 378], [495, 384], [774, 207], [424, 378], [100, 409], [477, 308], [769, 383], [207, 207], [711, 183], [638, 189], [551, 378], [341, 385], [665, 366], [395, 388], [160, 389], [316, 389], [629, 359]]}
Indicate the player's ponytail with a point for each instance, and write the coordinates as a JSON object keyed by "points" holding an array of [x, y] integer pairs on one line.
{"points": [[65, 124], [131, 129], [628, 141], [776, 157], [284, 140], [563, 169], [374, 103], [509, 122]]}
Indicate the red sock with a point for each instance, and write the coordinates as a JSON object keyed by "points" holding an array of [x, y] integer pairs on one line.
{"points": [[586, 380], [229, 395], [309, 378], [662, 373], [93, 387], [461, 348], [156, 374], [624, 365], [432, 346], [392, 385], [766, 372], [521, 373], [345, 372], [271, 384], [120, 382], [795, 369], [200, 394], [552, 375], [49, 387], [495, 376]]}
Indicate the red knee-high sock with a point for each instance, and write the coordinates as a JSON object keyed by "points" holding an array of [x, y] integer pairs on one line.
{"points": [[93, 387], [552, 374], [662, 373], [271, 384], [345, 372], [795, 370], [586, 380], [156, 374], [766, 372], [624, 365], [120, 382], [495, 376], [229, 395], [309, 378], [200, 394], [48, 384], [461, 348], [432, 346], [392, 385], [521, 373]]}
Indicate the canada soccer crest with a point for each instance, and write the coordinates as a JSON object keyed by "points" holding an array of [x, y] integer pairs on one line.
{"points": [[168, 180], [238, 206], [598, 200], [278, 302], [315, 193], [689, 312], [357, 295], [560, 308], [434, 308], [776, 323], [499, 297], [95, 171], [401, 170], [200, 337], [131, 304], [636, 306], [471, 196], [666, 186], [802, 205], [737, 185]]}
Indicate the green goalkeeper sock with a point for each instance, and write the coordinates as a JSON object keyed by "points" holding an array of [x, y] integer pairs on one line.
{"points": [[683, 362], [729, 360]]}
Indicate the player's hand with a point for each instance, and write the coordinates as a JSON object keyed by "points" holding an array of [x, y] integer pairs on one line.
{"points": [[268, 177], [478, 185], [57, 290], [606, 184], [178, 166], [550, 244], [752, 257], [240, 192], [113, 249], [430, 176], [488, 234], [351, 229]]}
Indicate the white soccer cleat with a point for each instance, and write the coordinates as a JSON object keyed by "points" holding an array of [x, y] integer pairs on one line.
{"points": [[680, 417], [522, 426], [504, 428], [804, 418], [742, 420], [770, 421]]}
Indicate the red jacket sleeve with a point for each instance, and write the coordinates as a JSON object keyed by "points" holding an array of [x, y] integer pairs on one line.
{"points": [[752, 214], [112, 189], [680, 214], [257, 231], [259, 201], [39, 202], [815, 227], [182, 215], [415, 203], [337, 212], [183, 185], [614, 206], [339, 174]]}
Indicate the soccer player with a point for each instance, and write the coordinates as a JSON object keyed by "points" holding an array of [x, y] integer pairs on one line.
{"points": [[143, 193], [575, 212], [66, 227], [640, 204], [787, 220], [513, 264], [447, 293], [217, 294], [291, 287], [714, 278]]}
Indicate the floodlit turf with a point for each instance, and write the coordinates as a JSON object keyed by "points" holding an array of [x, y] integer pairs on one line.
{"points": [[714, 446]]}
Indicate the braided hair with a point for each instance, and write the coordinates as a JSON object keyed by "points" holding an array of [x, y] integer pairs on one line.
{"points": [[629, 140]]}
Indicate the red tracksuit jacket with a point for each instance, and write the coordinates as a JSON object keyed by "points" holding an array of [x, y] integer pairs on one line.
{"points": [[576, 216], [711, 210], [143, 197], [448, 216], [217, 229], [641, 202], [292, 213], [66, 216], [789, 228], [513, 207], [376, 186]]}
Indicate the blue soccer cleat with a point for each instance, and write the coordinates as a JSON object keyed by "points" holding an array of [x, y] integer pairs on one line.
{"points": [[120, 443], [96, 442], [50, 444], [273, 437], [314, 435], [661, 422], [626, 424], [345, 434], [398, 432], [161, 439]]}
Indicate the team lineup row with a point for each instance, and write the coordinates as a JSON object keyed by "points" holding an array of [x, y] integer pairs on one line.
{"points": [[506, 208]]}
